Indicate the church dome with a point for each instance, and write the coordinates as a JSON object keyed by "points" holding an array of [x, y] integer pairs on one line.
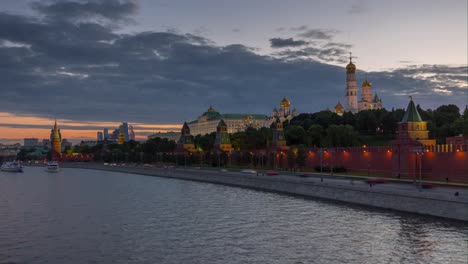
{"points": [[285, 102], [366, 83], [351, 68]]}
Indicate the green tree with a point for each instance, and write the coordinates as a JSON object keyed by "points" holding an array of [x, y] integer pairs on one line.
{"points": [[315, 134], [295, 135]]}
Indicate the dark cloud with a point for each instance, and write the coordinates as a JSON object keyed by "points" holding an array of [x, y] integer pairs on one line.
{"points": [[286, 42], [329, 53], [319, 34], [299, 28], [115, 10], [87, 71]]}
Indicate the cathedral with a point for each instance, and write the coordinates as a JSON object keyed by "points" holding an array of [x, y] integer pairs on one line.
{"points": [[367, 102], [284, 113]]}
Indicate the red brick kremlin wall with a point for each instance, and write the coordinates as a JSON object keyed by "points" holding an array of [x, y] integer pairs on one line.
{"points": [[438, 163]]}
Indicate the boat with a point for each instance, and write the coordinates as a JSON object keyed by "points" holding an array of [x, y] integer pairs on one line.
{"points": [[13, 166], [53, 166]]}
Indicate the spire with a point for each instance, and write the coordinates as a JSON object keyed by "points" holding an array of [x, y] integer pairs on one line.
{"points": [[55, 125], [411, 114]]}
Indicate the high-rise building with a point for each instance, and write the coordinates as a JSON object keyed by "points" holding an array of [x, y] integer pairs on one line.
{"points": [[121, 136], [100, 136], [46, 143], [106, 134], [125, 131], [66, 143], [31, 142], [131, 132]]}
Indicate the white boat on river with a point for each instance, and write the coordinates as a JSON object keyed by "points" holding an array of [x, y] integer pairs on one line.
{"points": [[13, 166], [53, 166]]}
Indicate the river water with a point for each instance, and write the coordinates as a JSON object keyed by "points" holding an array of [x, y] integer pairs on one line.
{"points": [[86, 216]]}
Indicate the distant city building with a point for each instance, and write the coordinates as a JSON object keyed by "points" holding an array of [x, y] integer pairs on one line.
{"points": [[9, 151], [131, 133], [168, 135], [100, 136], [124, 127], [106, 134], [66, 143], [31, 142], [367, 102], [284, 113], [208, 121], [56, 141], [121, 135], [89, 143], [46, 143]]}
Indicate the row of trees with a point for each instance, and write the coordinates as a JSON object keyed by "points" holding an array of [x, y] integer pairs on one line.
{"points": [[321, 129]]}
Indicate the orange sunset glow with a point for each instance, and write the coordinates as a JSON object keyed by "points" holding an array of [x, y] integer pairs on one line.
{"points": [[13, 128]]}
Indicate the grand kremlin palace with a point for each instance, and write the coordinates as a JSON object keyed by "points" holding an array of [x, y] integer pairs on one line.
{"points": [[209, 120]]}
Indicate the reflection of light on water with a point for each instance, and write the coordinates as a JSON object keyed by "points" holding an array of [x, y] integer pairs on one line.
{"points": [[97, 216]]}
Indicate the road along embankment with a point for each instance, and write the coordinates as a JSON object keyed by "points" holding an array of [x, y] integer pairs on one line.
{"points": [[438, 204]]}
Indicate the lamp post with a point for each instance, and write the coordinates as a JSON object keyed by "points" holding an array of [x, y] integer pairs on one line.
{"points": [[419, 151], [321, 164]]}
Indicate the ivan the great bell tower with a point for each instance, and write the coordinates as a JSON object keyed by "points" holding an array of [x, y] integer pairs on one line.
{"points": [[351, 87]]}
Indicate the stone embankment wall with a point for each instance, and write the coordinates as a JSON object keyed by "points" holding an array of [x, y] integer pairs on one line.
{"points": [[434, 204]]}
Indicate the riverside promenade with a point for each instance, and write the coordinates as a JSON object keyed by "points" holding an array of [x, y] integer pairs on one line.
{"points": [[440, 201]]}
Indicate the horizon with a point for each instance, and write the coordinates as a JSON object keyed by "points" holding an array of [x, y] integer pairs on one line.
{"points": [[155, 65]]}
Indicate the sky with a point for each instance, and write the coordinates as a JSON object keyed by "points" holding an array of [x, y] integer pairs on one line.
{"points": [[156, 64]]}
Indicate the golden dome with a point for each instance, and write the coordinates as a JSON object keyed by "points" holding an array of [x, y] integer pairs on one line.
{"points": [[351, 68], [339, 107], [366, 83], [211, 109], [285, 102]]}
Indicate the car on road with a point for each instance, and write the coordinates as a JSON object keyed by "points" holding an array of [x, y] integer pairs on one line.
{"points": [[305, 175], [249, 171], [223, 170], [426, 185], [271, 173], [375, 180], [147, 165]]}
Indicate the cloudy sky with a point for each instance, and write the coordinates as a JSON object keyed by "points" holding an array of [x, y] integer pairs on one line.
{"points": [[155, 64]]}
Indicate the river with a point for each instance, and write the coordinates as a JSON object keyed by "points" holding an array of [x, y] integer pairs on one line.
{"points": [[90, 216]]}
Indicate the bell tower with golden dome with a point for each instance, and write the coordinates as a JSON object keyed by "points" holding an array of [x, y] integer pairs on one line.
{"points": [[351, 87]]}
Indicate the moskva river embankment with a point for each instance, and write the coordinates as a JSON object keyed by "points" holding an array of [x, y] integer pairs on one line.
{"points": [[441, 201]]}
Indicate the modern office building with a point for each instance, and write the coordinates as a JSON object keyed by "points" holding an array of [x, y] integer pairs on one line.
{"points": [[100, 136], [31, 142]]}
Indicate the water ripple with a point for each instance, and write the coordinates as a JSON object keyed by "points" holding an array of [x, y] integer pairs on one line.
{"points": [[82, 216]]}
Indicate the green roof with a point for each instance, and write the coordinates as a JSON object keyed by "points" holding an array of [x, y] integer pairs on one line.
{"points": [[411, 114], [244, 116]]}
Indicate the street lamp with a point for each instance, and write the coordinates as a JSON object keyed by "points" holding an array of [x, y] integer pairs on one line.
{"points": [[419, 153], [321, 164]]}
